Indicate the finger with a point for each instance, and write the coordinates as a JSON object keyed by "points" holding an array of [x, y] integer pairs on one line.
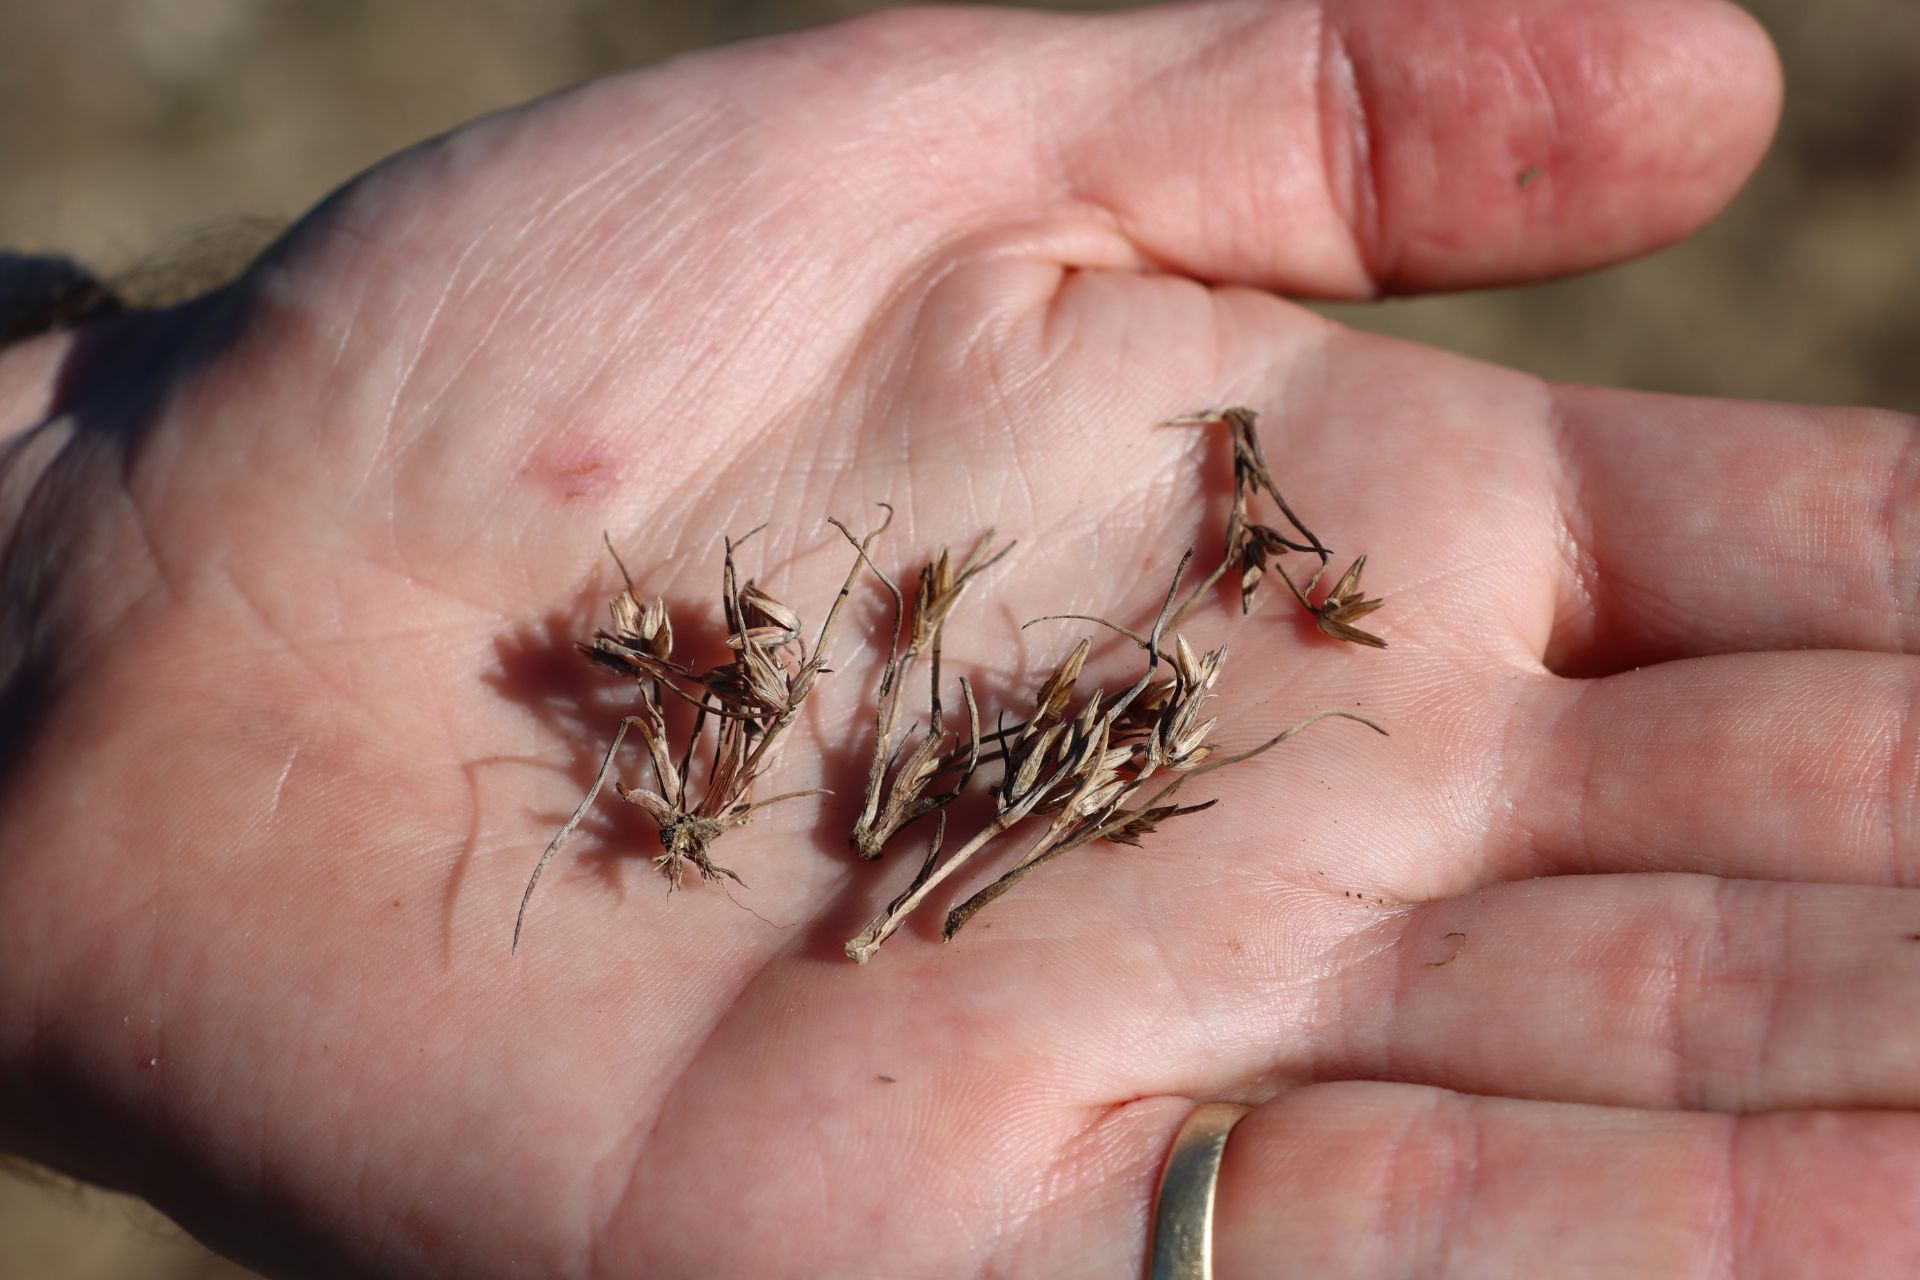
{"points": [[1349, 148], [1789, 766], [1647, 991], [1369, 1180], [1703, 526]]}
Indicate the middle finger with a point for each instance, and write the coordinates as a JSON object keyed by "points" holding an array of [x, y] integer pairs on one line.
{"points": [[1787, 766]]}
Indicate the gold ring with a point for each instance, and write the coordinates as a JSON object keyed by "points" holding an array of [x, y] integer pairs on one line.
{"points": [[1183, 1209]]}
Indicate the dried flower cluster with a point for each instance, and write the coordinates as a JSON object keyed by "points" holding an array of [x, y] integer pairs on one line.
{"points": [[1256, 547], [1106, 769], [751, 698]]}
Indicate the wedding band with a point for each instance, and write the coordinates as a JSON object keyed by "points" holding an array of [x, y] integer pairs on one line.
{"points": [[1183, 1208]]}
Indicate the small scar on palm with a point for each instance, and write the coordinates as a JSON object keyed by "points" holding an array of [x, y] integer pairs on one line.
{"points": [[574, 473]]}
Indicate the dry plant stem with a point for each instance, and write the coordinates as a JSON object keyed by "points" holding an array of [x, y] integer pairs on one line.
{"points": [[886, 709], [553, 845], [1157, 807], [1246, 442], [884, 925]]}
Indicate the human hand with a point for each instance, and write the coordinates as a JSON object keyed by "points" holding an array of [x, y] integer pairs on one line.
{"points": [[303, 710]]}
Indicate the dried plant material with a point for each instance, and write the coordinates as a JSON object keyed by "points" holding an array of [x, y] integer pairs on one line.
{"points": [[751, 699], [1458, 947], [1255, 549], [1125, 826], [1076, 767], [1345, 604], [1046, 759], [1083, 771], [895, 801]]}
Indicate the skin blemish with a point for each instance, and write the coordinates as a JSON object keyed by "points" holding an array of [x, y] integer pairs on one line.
{"points": [[576, 471]]}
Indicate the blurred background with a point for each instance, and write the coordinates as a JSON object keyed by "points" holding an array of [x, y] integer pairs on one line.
{"points": [[162, 142]]}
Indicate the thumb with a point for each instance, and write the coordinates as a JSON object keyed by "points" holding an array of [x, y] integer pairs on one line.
{"points": [[1346, 147]]}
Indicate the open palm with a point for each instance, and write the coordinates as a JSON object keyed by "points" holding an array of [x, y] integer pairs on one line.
{"points": [[1601, 960]]}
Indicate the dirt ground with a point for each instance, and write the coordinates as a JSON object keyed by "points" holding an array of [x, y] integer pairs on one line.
{"points": [[139, 132]]}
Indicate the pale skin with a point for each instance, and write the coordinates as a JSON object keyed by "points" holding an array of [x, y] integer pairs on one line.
{"points": [[310, 713]]}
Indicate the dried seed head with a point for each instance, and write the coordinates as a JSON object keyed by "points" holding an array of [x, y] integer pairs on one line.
{"points": [[930, 603], [1147, 821], [627, 613], [1028, 772], [1346, 604], [1101, 784], [1202, 673], [644, 627], [1178, 735], [892, 802], [767, 619], [1194, 672], [1188, 748], [1254, 564], [1094, 804], [920, 769], [657, 629], [1054, 695], [766, 680], [1185, 664], [765, 637], [627, 660], [1089, 716], [939, 579], [1152, 699], [941, 585]]}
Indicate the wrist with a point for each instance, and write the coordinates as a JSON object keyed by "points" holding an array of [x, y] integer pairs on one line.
{"points": [[49, 498], [70, 399]]}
